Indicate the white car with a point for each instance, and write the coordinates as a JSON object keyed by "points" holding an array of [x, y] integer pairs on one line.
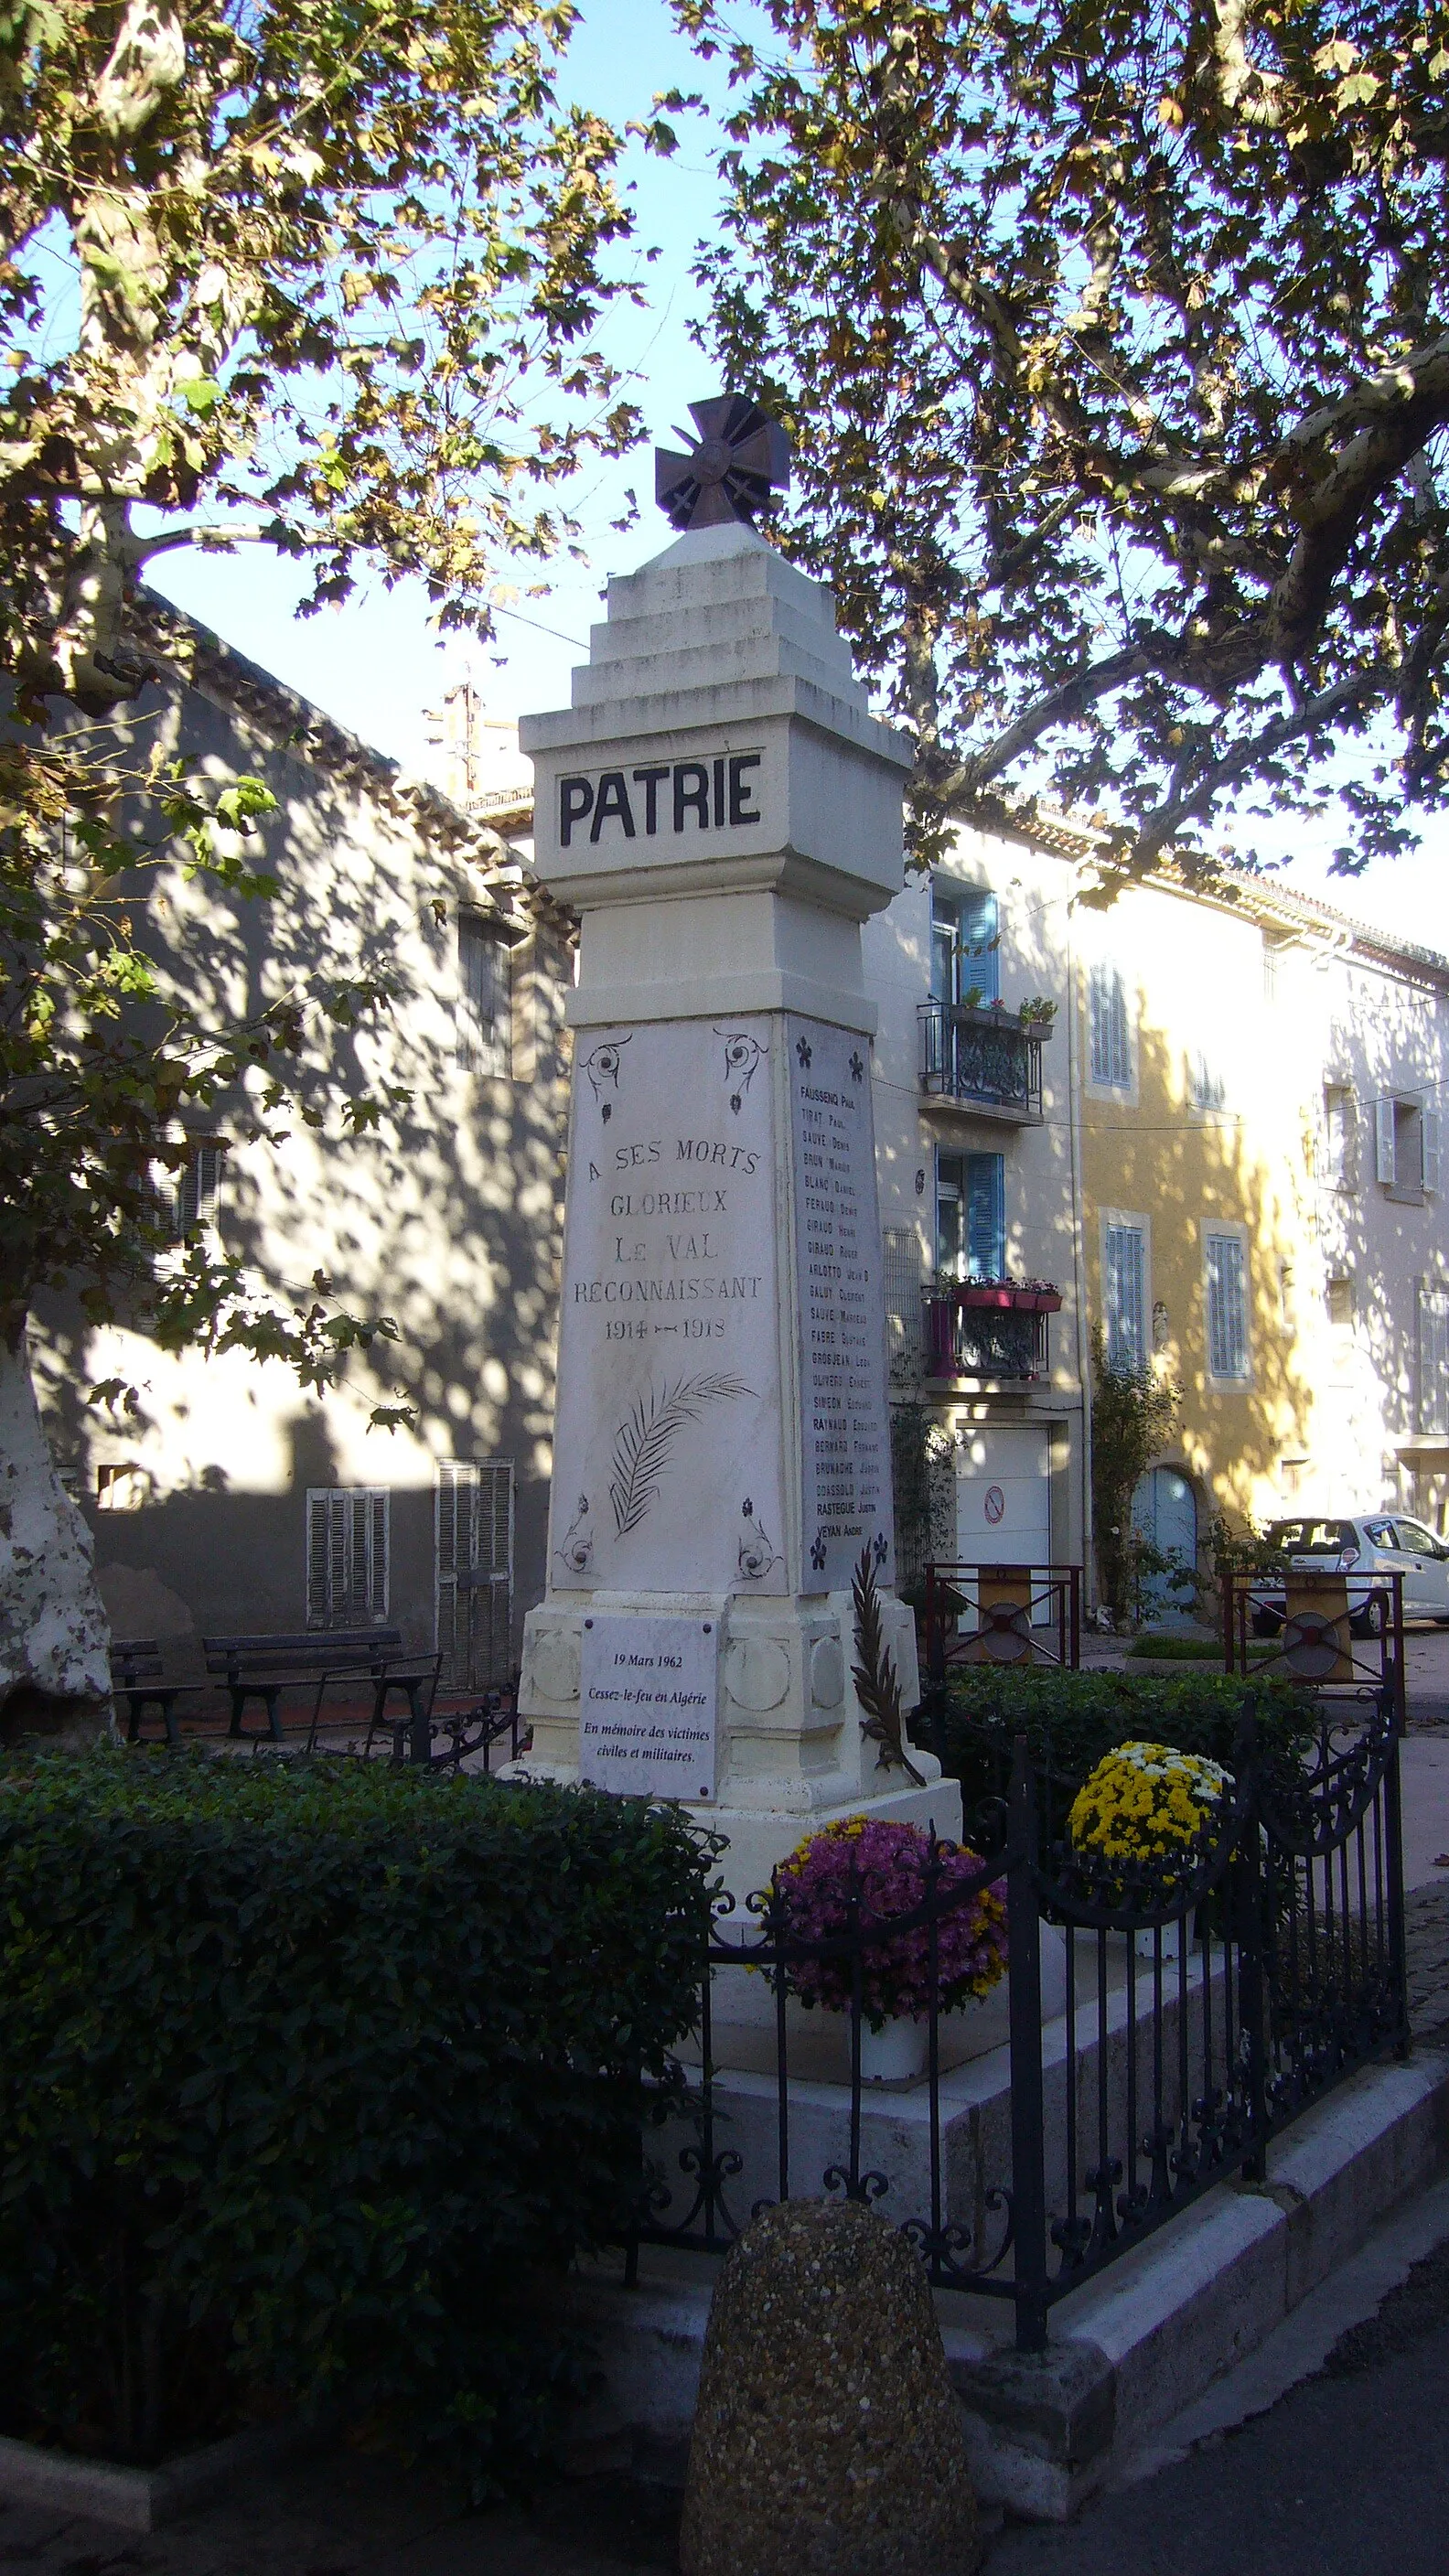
{"points": [[1370, 1545]]}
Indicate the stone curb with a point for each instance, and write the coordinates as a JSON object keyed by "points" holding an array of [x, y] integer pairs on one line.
{"points": [[1130, 2349], [1137, 2344], [143, 2499]]}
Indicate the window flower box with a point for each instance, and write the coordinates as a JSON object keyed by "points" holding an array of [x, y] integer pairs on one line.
{"points": [[1009, 1296]]}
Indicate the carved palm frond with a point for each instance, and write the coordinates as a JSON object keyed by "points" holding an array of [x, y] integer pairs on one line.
{"points": [[644, 1444], [877, 1683]]}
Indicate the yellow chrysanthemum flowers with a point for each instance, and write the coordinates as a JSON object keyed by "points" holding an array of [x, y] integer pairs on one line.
{"points": [[1147, 1802]]}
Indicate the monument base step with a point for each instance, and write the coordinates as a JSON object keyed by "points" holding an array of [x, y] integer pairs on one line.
{"points": [[1130, 2349]]}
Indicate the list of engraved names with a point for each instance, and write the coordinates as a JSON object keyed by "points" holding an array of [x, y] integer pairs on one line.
{"points": [[846, 1452]]}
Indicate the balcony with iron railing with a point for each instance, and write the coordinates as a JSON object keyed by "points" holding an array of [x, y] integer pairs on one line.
{"points": [[988, 1328], [984, 1058]]}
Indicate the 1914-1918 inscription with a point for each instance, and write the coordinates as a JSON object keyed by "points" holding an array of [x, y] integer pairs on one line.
{"points": [[846, 1485], [668, 1450]]}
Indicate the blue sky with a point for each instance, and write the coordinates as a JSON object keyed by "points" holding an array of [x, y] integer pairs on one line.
{"points": [[376, 665]]}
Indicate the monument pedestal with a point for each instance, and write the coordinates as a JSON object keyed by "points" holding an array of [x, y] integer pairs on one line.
{"points": [[723, 812]]}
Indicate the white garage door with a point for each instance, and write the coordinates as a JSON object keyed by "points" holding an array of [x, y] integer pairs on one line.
{"points": [[1003, 1507]]}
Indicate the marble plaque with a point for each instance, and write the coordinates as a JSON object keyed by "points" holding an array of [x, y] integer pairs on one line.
{"points": [[845, 1440], [648, 1697], [668, 1452]]}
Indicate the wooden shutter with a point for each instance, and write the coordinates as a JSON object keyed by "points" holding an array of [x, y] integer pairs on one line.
{"points": [[1433, 1361], [1227, 1308], [347, 1555], [473, 1526], [1384, 1141], [981, 944], [326, 1554], [985, 1215], [1126, 1297], [455, 1526], [1429, 1148]]}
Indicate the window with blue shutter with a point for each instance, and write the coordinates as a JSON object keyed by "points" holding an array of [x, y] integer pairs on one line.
{"points": [[1124, 1264], [965, 945], [970, 1216], [1225, 1263], [985, 1216], [1110, 1036]]}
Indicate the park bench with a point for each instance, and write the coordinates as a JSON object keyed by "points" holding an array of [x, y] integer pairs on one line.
{"points": [[139, 1679], [261, 1668]]}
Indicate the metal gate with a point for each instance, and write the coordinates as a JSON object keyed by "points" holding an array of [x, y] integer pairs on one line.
{"points": [[473, 1554]]}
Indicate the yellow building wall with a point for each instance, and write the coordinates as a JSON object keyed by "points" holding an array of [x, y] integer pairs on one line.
{"points": [[1197, 988]]}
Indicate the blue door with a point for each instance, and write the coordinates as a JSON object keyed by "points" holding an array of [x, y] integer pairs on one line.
{"points": [[1164, 1511]]}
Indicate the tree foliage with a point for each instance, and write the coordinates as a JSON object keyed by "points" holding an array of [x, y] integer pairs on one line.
{"points": [[308, 274], [1133, 1413], [1115, 345]]}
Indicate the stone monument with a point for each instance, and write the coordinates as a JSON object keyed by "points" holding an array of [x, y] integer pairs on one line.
{"points": [[723, 812]]}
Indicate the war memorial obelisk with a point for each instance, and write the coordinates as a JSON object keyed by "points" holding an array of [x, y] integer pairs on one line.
{"points": [[722, 812]]}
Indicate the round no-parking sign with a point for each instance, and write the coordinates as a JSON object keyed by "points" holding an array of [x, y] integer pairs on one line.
{"points": [[995, 1504]]}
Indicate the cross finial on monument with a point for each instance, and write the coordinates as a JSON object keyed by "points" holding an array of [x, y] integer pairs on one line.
{"points": [[741, 459]]}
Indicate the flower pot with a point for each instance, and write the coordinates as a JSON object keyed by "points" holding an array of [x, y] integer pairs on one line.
{"points": [[999, 1299], [895, 2055], [1048, 1301]]}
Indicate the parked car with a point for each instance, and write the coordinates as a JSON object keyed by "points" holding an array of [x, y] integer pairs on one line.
{"points": [[1365, 1548]]}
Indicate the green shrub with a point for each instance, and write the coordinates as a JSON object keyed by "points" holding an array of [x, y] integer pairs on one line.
{"points": [[310, 2077], [1193, 1650], [1070, 1720]]}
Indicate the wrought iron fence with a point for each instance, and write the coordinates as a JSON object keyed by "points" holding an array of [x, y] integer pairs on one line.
{"points": [[1159, 2031], [1001, 1615], [987, 1057], [963, 1339], [1324, 1628]]}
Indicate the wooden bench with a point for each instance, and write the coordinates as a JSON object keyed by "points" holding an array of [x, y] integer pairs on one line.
{"points": [[138, 1677], [262, 1668]]}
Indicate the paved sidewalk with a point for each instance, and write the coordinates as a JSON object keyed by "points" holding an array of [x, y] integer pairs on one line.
{"points": [[341, 2515]]}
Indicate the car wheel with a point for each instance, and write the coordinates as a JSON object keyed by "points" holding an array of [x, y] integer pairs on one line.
{"points": [[1268, 1623], [1373, 1619]]}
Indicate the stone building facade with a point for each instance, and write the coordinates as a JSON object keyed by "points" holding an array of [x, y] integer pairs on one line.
{"points": [[233, 1499]]}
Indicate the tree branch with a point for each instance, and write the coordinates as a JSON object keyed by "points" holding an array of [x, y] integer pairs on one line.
{"points": [[1160, 828]]}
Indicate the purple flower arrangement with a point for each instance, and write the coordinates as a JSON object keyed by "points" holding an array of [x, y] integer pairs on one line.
{"points": [[883, 1867]]}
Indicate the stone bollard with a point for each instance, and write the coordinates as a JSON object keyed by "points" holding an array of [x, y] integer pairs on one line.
{"points": [[827, 2439]]}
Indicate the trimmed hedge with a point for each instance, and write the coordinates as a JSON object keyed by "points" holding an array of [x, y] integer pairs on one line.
{"points": [[1192, 1650], [308, 2077], [1070, 1720]]}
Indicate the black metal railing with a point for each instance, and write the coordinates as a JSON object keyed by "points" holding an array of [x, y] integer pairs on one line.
{"points": [[1315, 1628], [1002, 1615], [962, 1339], [989, 1059], [1201, 2013]]}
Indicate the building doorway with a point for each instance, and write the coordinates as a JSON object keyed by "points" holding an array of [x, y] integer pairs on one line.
{"points": [[1003, 1498], [1164, 1512]]}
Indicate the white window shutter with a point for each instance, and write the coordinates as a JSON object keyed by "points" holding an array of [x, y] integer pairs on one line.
{"points": [[1429, 1148], [1384, 1141], [377, 1553], [347, 1555], [317, 1559]]}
